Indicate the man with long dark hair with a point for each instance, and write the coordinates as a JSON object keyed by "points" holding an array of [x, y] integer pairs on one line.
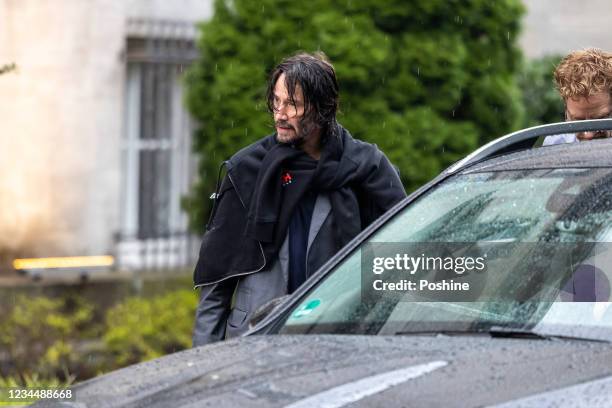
{"points": [[288, 202]]}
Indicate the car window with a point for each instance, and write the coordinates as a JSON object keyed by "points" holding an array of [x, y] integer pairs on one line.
{"points": [[530, 212]]}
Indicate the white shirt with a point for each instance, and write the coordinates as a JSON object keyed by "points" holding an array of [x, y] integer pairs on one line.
{"points": [[560, 139]]}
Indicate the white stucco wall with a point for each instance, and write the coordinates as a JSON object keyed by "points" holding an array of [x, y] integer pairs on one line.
{"points": [[61, 119], [560, 26]]}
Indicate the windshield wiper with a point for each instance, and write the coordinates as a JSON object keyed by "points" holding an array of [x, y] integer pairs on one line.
{"points": [[496, 332], [441, 332], [517, 333]]}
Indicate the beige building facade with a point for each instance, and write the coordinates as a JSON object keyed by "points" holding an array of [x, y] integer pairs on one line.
{"points": [[94, 140]]}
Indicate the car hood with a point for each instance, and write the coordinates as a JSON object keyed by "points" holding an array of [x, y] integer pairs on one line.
{"points": [[334, 371]]}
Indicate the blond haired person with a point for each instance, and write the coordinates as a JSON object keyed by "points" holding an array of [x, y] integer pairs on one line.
{"points": [[584, 81]]}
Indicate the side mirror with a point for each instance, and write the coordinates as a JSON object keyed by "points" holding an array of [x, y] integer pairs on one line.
{"points": [[265, 310]]}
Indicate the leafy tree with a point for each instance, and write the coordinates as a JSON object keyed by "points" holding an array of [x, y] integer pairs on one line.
{"points": [[426, 80], [542, 102]]}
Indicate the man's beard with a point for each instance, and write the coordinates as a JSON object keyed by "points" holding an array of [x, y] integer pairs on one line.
{"points": [[306, 127]]}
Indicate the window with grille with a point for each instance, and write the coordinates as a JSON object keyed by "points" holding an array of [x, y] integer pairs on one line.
{"points": [[158, 166]]}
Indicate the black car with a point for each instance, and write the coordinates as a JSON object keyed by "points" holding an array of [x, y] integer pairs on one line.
{"points": [[532, 329]]}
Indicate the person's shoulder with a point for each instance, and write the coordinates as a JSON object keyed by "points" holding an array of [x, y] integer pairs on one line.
{"points": [[357, 149], [255, 149], [367, 157]]}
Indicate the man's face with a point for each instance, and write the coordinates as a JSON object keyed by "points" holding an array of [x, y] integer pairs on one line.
{"points": [[288, 114], [596, 106]]}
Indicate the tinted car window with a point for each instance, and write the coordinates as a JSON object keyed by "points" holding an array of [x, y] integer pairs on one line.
{"points": [[530, 209]]}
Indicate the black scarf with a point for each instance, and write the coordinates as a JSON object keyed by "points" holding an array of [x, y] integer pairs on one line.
{"points": [[274, 199], [284, 177]]}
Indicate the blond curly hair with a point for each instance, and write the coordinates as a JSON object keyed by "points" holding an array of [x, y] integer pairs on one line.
{"points": [[584, 73]]}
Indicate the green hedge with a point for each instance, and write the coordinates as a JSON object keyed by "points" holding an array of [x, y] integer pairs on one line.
{"points": [[542, 102], [38, 335], [141, 329], [57, 340], [426, 80]]}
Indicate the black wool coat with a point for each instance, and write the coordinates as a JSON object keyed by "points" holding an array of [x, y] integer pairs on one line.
{"points": [[227, 252]]}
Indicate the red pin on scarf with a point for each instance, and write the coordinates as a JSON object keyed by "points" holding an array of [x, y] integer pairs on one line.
{"points": [[286, 179]]}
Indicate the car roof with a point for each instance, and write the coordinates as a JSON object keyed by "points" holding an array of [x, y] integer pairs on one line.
{"points": [[591, 154]]}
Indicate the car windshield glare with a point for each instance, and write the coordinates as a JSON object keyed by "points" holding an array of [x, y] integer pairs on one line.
{"points": [[543, 234]]}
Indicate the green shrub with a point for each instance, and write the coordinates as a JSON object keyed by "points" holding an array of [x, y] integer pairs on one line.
{"points": [[54, 341], [39, 335], [426, 80], [35, 381], [141, 329]]}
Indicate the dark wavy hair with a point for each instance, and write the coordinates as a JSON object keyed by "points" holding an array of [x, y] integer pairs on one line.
{"points": [[317, 78]]}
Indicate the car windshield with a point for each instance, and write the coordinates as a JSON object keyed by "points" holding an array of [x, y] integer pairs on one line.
{"points": [[545, 234]]}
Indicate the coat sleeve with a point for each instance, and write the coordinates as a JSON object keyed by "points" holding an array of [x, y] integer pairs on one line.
{"points": [[212, 312], [380, 191]]}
